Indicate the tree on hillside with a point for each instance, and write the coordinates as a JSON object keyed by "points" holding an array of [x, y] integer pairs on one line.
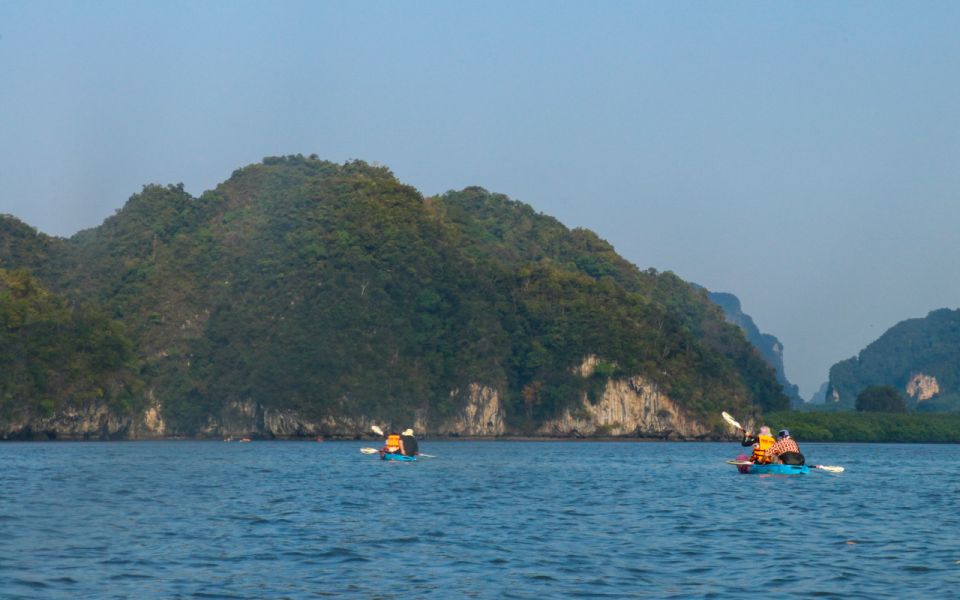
{"points": [[881, 398]]}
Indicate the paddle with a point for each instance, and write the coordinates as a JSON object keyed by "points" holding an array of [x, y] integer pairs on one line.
{"points": [[376, 430], [828, 468], [729, 419]]}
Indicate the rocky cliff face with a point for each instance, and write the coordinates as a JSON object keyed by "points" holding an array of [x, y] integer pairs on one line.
{"points": [[768, 345], [922, 387], [91, 421], [628, 406], [482, 413]]}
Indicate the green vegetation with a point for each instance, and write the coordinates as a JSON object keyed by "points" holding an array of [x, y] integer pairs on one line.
{"points": [[55, 354], [928, 346], [881, 398], [768, 346], [335, 290], [868, 427]]}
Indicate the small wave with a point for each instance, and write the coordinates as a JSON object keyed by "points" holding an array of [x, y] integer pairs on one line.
{"points": [[130, 576], [919, 569], [31, 583], [218, 595], [539, 577]]}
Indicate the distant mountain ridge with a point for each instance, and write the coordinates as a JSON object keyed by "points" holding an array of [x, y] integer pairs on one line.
{"points": [[303, 297], [768, 345], [920, 357]]}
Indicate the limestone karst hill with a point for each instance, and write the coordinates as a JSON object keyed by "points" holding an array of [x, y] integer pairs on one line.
{"points": [[305, 297]]}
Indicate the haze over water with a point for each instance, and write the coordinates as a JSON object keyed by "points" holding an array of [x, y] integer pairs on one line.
{"points": [[483, 519]]}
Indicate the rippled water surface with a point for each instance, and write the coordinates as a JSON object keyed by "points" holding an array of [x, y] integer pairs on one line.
{"points": [[483, 519]]}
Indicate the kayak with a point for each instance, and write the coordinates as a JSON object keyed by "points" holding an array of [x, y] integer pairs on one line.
{"points": [[773, 469], [388, 456]]}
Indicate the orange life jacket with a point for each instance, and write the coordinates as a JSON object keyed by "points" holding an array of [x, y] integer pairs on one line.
{"points": [[393, 442], [760, 448]]}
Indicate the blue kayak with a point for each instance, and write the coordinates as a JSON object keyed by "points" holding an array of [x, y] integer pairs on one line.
{"points": [[388, 456], [774, 469]]}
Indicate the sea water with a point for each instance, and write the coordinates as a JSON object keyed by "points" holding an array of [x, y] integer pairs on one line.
{"points": [[481, 520]]}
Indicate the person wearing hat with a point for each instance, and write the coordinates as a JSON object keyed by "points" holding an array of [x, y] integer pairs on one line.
{"points": [[761, 442], [785, 450], [408, 443]]}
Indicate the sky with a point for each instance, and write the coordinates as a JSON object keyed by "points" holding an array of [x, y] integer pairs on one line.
{"points": [[804, 156]]}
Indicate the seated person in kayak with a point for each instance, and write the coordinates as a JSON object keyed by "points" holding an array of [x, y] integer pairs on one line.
{"points": [[785, 450], [408, 443], [392, 444], [761, 442], [401, 443]]}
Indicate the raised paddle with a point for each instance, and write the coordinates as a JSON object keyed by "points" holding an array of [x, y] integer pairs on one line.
{"points": [[376, 430], [729, 419]]}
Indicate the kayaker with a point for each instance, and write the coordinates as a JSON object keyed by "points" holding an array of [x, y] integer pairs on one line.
{"points": [[408, 443], [760, 442], [785, 450], [392, 444]]}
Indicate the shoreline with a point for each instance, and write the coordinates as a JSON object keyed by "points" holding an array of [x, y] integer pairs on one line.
{"points": [[428, 439], [364, 438]]}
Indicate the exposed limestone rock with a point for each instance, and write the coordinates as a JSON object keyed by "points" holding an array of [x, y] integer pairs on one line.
{"points": [[588, 366], [246, 418], [90, 421], [629, 406], [151, 424], [153, 421], [922, 387], [482, 413]]}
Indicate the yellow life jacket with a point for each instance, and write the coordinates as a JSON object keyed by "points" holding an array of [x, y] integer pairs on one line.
{"points": [[393, 442], [760, 448]]}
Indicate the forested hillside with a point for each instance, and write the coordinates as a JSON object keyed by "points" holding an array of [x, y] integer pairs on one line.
{"points": [[769, 346], [336, 293], [57, 355], [916, 356]]}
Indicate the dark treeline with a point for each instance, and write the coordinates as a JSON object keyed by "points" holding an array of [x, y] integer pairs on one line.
{"points": [[868, 426]]}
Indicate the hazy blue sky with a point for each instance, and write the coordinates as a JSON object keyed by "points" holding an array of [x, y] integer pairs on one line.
{"points": [[804, 156]]}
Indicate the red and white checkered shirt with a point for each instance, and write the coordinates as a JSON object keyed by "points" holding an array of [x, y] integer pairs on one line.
{"points": [[781, 446]]}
